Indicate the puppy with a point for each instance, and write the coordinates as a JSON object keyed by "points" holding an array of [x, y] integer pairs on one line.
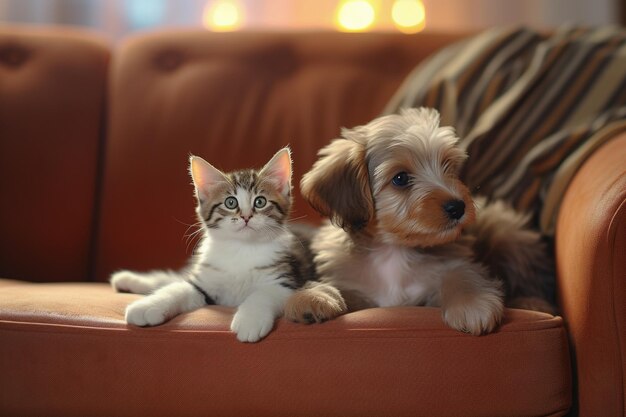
{"points": [[397, 210]]}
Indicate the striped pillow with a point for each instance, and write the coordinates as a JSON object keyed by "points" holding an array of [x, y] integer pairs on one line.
{"points": [[529, 107]]}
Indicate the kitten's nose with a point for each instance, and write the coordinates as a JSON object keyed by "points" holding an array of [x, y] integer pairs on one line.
{"points": [[455, 209], [246, 218]]}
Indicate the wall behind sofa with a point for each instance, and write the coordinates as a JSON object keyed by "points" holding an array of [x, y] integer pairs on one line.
{"points": [[117, 18]]}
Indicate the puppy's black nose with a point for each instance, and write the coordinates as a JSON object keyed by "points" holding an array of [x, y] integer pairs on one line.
{"points": [[455, 209]]}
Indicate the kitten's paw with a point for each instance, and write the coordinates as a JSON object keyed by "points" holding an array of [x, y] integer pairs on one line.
{"points": [[315, 304], [475, 314], [251, 327], [127, 281], [143, 313]]}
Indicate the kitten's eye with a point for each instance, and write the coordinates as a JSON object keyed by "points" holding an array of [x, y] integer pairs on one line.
{"points": [[231, 203], [401, 179], [260, 202]]}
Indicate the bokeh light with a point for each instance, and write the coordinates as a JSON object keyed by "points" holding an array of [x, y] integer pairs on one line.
{"points": [[222, 15], [355, 15], [409, 16]]}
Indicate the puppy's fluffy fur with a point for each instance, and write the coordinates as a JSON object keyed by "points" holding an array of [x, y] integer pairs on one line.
{"points": [[398, 209]]}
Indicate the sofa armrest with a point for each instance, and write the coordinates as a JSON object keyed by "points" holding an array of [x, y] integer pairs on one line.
{"points": [[591, 269]]}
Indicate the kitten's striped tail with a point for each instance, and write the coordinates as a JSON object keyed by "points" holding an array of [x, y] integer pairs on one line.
{"points": [[143, 282]]}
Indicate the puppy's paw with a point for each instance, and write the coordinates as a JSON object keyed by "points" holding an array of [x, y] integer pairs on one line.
{"points": [[315, 304], [127, 281], [251, 327], [475, 314], [144, 313]]}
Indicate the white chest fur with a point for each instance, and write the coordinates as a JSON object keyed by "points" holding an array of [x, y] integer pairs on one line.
{"points": [[231, 270], [391, 276]]}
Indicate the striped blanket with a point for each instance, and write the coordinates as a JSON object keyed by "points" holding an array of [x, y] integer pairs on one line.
{"points": [[529, 108]]}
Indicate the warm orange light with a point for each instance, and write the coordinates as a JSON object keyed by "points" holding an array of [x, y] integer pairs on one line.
{"points": [[222, 15], [355, 15], [409, 16]]}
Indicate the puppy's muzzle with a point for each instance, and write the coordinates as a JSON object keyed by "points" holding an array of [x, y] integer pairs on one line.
{"points": [[455, 209]]}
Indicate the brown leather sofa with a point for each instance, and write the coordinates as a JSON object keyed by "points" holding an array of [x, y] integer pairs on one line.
{"points": [[94, 141]]}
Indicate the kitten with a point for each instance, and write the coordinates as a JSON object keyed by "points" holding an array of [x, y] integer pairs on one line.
{"points": [[247, 256]]}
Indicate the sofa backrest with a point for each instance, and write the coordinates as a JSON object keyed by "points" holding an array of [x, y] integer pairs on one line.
{"points": [[52, 89], [234, 99], [93, 157]]}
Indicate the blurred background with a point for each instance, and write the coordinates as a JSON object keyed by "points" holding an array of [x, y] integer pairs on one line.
{"points": [[116, 18]]}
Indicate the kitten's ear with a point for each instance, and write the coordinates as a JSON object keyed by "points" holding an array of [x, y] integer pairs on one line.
{"points": [[205, 176], [278, 170]]}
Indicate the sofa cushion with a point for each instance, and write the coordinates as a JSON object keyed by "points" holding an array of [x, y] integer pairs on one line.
{"points": [[66, 350], [52, 87]]}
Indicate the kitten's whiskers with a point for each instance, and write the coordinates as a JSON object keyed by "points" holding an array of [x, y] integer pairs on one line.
{"points": [[189, 237]]}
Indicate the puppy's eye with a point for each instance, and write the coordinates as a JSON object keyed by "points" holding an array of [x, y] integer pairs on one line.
{"points": [[260, 202], [231, 203], [401, 179]]}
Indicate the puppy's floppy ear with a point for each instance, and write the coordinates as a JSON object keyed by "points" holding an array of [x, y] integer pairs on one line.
{"points": [[338, 184]]}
